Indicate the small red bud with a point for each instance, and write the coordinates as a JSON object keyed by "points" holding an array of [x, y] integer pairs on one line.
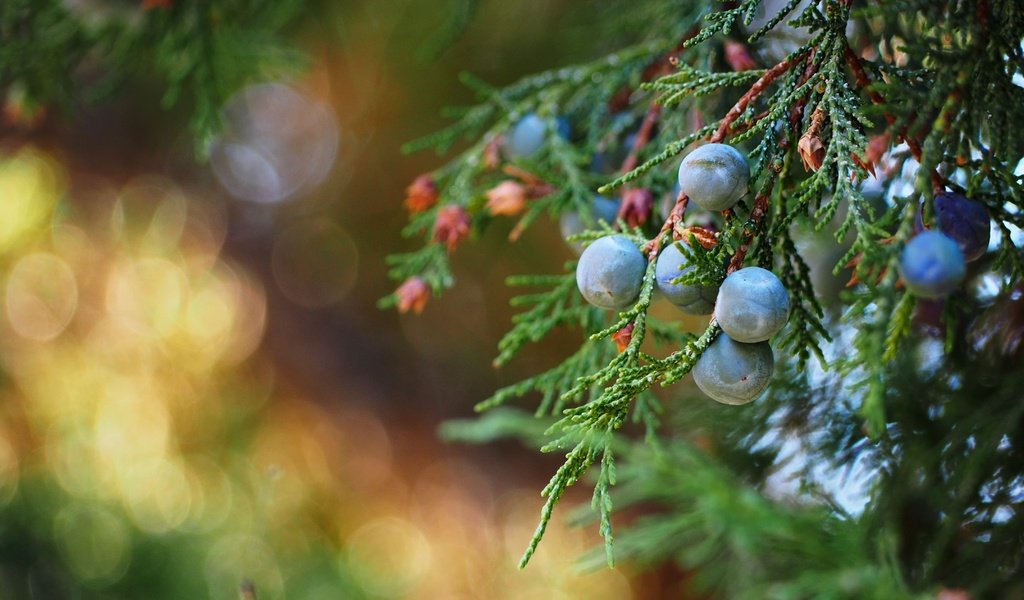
{"points": [[451, 226], [492, 153], [877, 147], [421, 194], [623, 337], [738, 56], [636, 207], [413, 295], [507, 198]]}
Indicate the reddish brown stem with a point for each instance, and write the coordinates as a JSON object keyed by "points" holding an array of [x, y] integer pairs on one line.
{"points": [[757, 215], [752, 94], [642, 137], [798, 108], [675, 216], [663, 65], [523, 175], [705, 237]]}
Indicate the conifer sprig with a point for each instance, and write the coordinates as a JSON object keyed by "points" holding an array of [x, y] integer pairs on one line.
{"points": [[911, 120]]}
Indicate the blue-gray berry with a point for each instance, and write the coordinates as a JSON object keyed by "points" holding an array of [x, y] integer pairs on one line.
{"points": [[752, 305], [610, 272], [714, 176], [527, 137], [692, 299], [734, 373]]}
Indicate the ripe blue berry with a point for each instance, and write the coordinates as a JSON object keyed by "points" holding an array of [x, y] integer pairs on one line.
{"points": [[692, 299], [752, 305], [932, 265], [714, 176], [527, 137], [734, 373], [965, 221], [611, 272], [602, 209]]}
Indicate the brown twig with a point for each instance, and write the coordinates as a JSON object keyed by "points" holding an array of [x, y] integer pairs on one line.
{"points": [[523, 175], [643, 136], [798, 108], [757, 215], [754, 93], [705, 237], [652, 247], [663, 65]]}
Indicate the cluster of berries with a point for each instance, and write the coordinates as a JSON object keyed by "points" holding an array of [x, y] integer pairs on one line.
{"points": [[751, 305]]}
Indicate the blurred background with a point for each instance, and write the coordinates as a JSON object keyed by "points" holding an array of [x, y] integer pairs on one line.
{"points": [[198, 395]]}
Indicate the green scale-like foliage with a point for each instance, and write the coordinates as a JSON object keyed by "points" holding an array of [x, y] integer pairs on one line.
{"points": [[930, 84]]}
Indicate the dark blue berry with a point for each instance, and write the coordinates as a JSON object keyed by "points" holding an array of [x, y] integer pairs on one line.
{"points": [[932, 265]]}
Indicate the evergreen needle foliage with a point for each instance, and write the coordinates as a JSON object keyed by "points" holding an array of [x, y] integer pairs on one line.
{"points": [[198, 52], [854, 116]]}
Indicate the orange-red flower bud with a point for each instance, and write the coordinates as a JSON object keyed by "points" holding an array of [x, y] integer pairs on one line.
{"points": [[421, 194], [413, 295], [451, 226], [507, 198]]}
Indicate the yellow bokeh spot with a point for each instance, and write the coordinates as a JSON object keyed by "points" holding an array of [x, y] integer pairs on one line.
{"points": [[158, 495], [71, 457], [210, 318], [150, 214], [132, 426], [42, 296], [30, 185], [147, 294], [389, 556]]}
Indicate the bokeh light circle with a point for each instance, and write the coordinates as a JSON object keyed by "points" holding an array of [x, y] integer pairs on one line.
{"points": [[389, 555], [276, 143], [315, 263], [42, 296], [30, 185], [242, 557], [94, 542]]}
